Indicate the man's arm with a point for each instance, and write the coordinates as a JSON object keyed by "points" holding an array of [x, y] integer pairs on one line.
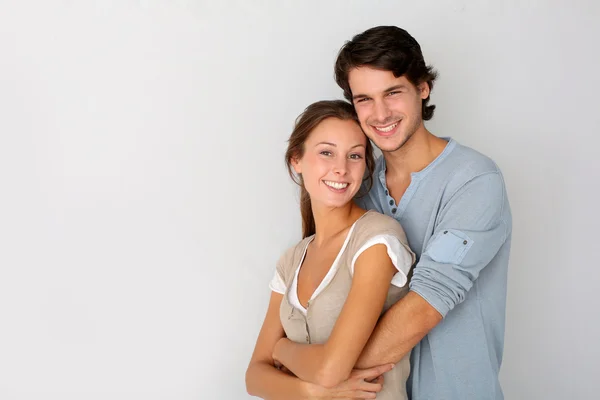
{"points": [[393, 337], [472, 227]]}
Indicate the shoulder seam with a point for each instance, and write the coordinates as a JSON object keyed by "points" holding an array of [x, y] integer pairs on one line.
{"points": [[497, 172]]}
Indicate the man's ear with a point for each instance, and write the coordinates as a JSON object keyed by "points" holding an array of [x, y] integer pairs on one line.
{"points": [[424, 90]]}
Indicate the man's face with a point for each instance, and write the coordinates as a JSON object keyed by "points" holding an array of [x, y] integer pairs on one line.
{"points": [[389, 108]]}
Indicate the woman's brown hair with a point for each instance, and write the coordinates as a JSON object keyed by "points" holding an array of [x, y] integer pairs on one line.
{"points": [[312, 116]]}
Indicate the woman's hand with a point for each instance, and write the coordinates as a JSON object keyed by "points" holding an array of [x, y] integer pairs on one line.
{"points": [[282, 368], [362, 384]]}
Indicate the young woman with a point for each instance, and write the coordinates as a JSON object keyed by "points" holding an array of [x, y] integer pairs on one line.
{"points": [[330, 289]]}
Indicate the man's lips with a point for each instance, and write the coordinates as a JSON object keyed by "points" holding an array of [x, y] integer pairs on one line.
{"points": [[386, 130]]}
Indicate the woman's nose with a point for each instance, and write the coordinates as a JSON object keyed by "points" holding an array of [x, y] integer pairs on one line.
{"points": [[340, 167]]}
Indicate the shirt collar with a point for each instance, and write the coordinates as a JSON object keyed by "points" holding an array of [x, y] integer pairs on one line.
{"points": [[381, 168]]}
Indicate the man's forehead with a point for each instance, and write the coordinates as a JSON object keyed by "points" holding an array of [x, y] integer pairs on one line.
{"points": [[367, 80]]}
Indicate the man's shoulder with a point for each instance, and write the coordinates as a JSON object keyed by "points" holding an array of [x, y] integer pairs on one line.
{"points": [[465, 165], [468, 163]]}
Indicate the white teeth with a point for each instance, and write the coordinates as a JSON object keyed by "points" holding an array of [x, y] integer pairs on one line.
{"points": [[388, 129], [336, 185]]}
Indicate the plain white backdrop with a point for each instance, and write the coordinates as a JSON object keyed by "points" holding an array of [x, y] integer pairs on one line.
{"points": [[144, 199]]}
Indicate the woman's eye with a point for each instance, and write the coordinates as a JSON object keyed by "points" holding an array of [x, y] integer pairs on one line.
{"points": [[325, 153], [355, 156]]}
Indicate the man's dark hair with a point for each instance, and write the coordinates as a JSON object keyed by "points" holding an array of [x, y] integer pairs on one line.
{"points": [[387, 48]]}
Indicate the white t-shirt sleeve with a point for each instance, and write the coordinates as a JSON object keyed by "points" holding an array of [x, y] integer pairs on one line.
{"points": [[277, 285], [401, 257]]}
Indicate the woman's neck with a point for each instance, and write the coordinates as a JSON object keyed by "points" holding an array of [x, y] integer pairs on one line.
{"points": [[330, 222]]}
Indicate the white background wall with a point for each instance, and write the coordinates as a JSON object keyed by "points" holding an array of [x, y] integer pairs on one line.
{"points": [[144, 200]]}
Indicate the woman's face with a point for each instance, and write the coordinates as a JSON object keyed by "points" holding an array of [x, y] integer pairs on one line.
{"points": [[333, 164]]}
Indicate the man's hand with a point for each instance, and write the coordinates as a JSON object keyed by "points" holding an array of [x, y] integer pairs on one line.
{"points": [[362, 384]]}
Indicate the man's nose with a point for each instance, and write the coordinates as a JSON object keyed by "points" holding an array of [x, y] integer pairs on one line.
{"points": [[382, 112]]}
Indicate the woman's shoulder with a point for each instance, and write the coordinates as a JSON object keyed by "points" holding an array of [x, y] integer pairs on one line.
{"points": [[376, 228], [291, 257], [373, 226], [376, 223]]}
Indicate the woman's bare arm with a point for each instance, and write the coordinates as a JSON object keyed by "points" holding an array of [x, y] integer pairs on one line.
{"points": [[265, 381], [330, 363], [262, 378]]}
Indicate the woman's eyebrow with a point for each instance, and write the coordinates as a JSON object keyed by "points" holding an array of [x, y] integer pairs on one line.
{"points": [[335, 145]]}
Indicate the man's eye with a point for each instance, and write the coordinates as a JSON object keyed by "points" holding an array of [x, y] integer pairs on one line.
{"points": [[392, 93], [362, 100]]}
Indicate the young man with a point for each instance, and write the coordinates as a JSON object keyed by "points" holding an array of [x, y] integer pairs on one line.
{"points": [[452, 203]]}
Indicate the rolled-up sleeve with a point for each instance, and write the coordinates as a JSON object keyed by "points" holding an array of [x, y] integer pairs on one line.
{"points": [[471, 228]]}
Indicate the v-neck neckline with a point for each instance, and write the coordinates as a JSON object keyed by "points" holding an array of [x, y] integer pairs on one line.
{"points": [[328, 278]]}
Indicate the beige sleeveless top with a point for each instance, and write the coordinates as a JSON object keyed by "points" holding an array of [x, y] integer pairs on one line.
{"points": [[324, 308]]}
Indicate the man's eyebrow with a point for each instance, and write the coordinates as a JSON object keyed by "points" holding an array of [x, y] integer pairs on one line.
{"points": [[390, 89], [359, 96], [400, 86]]}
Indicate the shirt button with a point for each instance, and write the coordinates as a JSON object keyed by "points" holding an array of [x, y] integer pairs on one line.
{"points": [[391, 202], [386, 192], [465, 242], [394, 211], [307, 339]]}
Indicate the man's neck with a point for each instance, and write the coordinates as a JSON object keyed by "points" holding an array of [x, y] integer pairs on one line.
{"points": [[415, 155]]}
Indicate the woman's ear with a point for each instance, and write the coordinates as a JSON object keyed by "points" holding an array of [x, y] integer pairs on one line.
{"points": [[295, 161]]}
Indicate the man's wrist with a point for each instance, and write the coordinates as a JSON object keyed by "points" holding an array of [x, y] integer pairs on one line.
{"points": [[363, 359]]}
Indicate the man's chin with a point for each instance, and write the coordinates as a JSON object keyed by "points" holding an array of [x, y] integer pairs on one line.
{"points": [[390, 147]]}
